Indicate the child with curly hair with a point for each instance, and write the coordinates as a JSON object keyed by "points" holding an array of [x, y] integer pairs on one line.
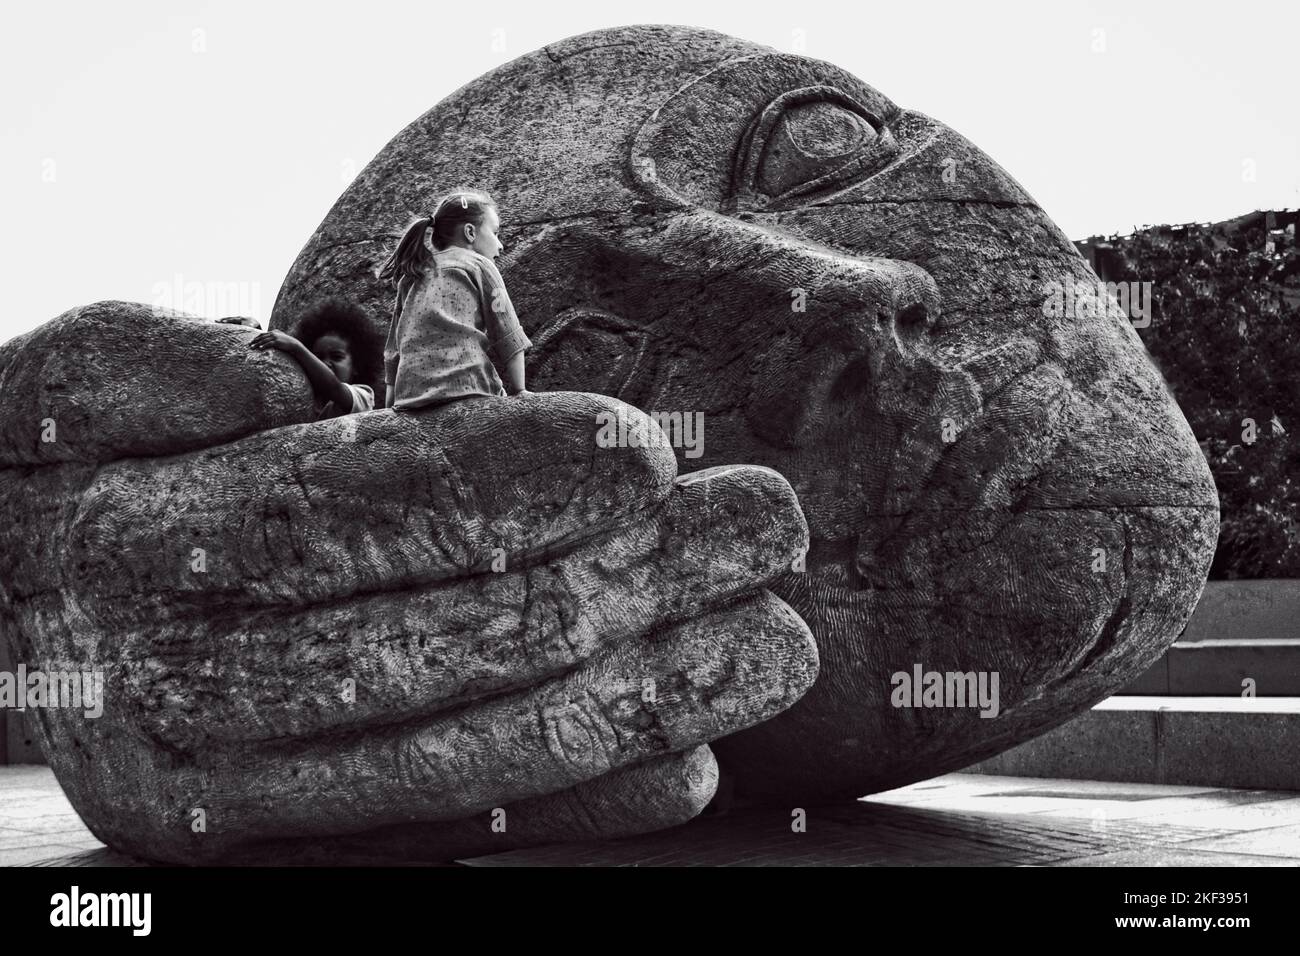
{"points": [[339, 352]]}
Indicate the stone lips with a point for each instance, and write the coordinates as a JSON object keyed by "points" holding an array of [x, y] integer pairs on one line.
{"points": [[647, 262], [301, 628]]}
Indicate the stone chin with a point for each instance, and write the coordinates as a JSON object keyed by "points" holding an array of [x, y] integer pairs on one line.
{"points": [[854, 295]]}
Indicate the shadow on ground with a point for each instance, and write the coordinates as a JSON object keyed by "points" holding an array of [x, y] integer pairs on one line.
{"points": [[955, 820]]}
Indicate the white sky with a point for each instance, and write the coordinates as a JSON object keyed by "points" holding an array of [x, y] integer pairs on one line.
{"points": [[131, 164]]}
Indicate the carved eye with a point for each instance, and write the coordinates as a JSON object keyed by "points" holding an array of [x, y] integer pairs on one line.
{"points": [[804, 142]]}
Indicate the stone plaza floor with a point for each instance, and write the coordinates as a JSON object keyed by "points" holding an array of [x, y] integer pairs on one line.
{"points": [[955, 820]]}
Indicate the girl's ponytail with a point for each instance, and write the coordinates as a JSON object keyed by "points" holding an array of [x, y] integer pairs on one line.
{"points": [[412, 255]]}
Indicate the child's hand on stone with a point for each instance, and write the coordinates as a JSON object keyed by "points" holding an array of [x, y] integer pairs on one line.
{"points": [[275, 339]]}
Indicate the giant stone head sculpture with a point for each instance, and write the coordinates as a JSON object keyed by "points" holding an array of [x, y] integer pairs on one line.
{"points": [[908, 464], [851, 293]]}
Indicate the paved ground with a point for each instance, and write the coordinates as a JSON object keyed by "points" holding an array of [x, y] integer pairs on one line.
{"points": [[956, 820], [36, 820]]}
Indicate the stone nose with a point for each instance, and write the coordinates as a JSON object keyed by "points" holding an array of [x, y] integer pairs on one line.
{"points": [[909, 317], [885, 339], [826, 332], [913, 319]]}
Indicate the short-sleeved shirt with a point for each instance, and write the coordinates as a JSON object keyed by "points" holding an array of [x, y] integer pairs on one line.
{"points": [[363, 400], [447, 328]]}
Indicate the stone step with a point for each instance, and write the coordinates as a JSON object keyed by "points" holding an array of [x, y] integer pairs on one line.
{"points": [[1240, 630], [1240, 742], [1223, 668], [1262, 610]]}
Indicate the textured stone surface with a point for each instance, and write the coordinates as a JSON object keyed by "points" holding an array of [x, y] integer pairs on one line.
{"points": [[669, 198], [373, 633]]}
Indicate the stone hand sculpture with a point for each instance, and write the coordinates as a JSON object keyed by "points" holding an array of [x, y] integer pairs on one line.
{"points": [[997, 482], [375, 636]]}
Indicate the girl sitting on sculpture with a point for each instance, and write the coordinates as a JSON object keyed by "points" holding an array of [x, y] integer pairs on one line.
{"points": [[338, 351], [453, 323]]}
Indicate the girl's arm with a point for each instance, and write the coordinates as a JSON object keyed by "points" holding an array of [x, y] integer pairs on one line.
{"points": [[323, 382], [515, 373], [506, 335]]}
